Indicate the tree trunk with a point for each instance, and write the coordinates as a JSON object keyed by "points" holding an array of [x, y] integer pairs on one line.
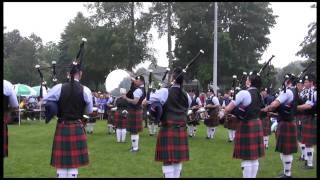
{"points": [[169, 54], [131, 46]]}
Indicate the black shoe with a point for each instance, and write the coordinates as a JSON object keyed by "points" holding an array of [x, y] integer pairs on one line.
{"points": [[301, 159], [308, 167], [150, 134], [190, 135], [134, 151], [229, 141], [284, 176], [207, 137]]}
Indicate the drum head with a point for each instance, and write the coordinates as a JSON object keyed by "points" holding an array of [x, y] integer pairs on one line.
{"points": [[116, 80]]}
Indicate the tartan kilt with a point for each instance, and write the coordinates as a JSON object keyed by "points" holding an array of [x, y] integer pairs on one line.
{"points": [[172, 145], [135, 121], [248, 144], [299, 118], [286, 137], [309, 131], [119, 122], [211, 122], [5, 134], [69, 149], [231, 122], [266, 124]]}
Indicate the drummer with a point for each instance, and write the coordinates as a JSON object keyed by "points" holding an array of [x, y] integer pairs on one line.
{"points": [[134, 98], [193, 118], [211, 121], [92, 121]]}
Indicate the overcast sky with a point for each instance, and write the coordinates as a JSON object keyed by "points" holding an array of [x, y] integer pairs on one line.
{"points": [[48, 20]]}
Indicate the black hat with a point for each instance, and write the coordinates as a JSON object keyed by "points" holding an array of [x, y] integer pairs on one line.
{"points": [[140, 77], [210, 90], [309, 77]]}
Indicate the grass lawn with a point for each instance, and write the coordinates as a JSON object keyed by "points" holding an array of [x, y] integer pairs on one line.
{"points": [[30, 152]]}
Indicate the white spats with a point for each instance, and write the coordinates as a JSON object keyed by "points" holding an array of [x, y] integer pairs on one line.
{"points": [[123, 135], [309, 157], [168, 171], [250, 168], [135, 141], [72, 173], [118, 132], [287, 163], [62, 173], [177, 170], [266, 141]]}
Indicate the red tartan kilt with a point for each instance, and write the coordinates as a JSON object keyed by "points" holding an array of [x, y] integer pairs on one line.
{"points": [[172, 145], [266, 124], [69, 148], [286, 137], [231, 123], [135, 121], [211, 122], [309, 131], [248, 144], [120, 123], [5, 134]]}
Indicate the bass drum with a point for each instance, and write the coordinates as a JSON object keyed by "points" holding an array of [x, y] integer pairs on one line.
{"points": [[116, 80]]}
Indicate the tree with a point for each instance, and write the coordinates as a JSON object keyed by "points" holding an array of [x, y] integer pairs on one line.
{"points": [[309, 46], [121, 15], [242, 30], [162, 14]]}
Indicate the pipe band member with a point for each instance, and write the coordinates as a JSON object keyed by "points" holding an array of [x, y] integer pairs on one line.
{"points": [[134, 98], [286, 133], [10, 103], [69, 151], [248, 143], [172, 140]]}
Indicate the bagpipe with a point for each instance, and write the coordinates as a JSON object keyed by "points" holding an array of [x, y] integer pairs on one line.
{"points": [[155, 108], [51, 107]]}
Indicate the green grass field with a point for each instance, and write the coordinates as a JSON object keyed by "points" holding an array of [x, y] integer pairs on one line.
{"points": [[30, 153]]}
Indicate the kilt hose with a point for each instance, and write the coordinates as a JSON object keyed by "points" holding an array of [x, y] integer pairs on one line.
{"points": [[6, 117], [135, 121], [286, 137], [231, 122], [120, 122], [172, 144], [309, 131], [266, 124], [69, 149], [248, 143], [299, 121]]}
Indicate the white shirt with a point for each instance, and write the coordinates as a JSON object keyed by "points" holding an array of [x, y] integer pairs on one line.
{"points": [[285, 98], [138, 92], [54, 95], [9, 91], [242, 98], [162, 94]]}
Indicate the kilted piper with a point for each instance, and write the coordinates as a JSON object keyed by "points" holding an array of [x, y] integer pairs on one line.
{"points": [[286, 133], [309, 126], [10, 102], [265, 117], [211, 120], [69, 150], [172, 141], [299, 117], [121, 118], [134, 98], [194, 117], [248, 144]]}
